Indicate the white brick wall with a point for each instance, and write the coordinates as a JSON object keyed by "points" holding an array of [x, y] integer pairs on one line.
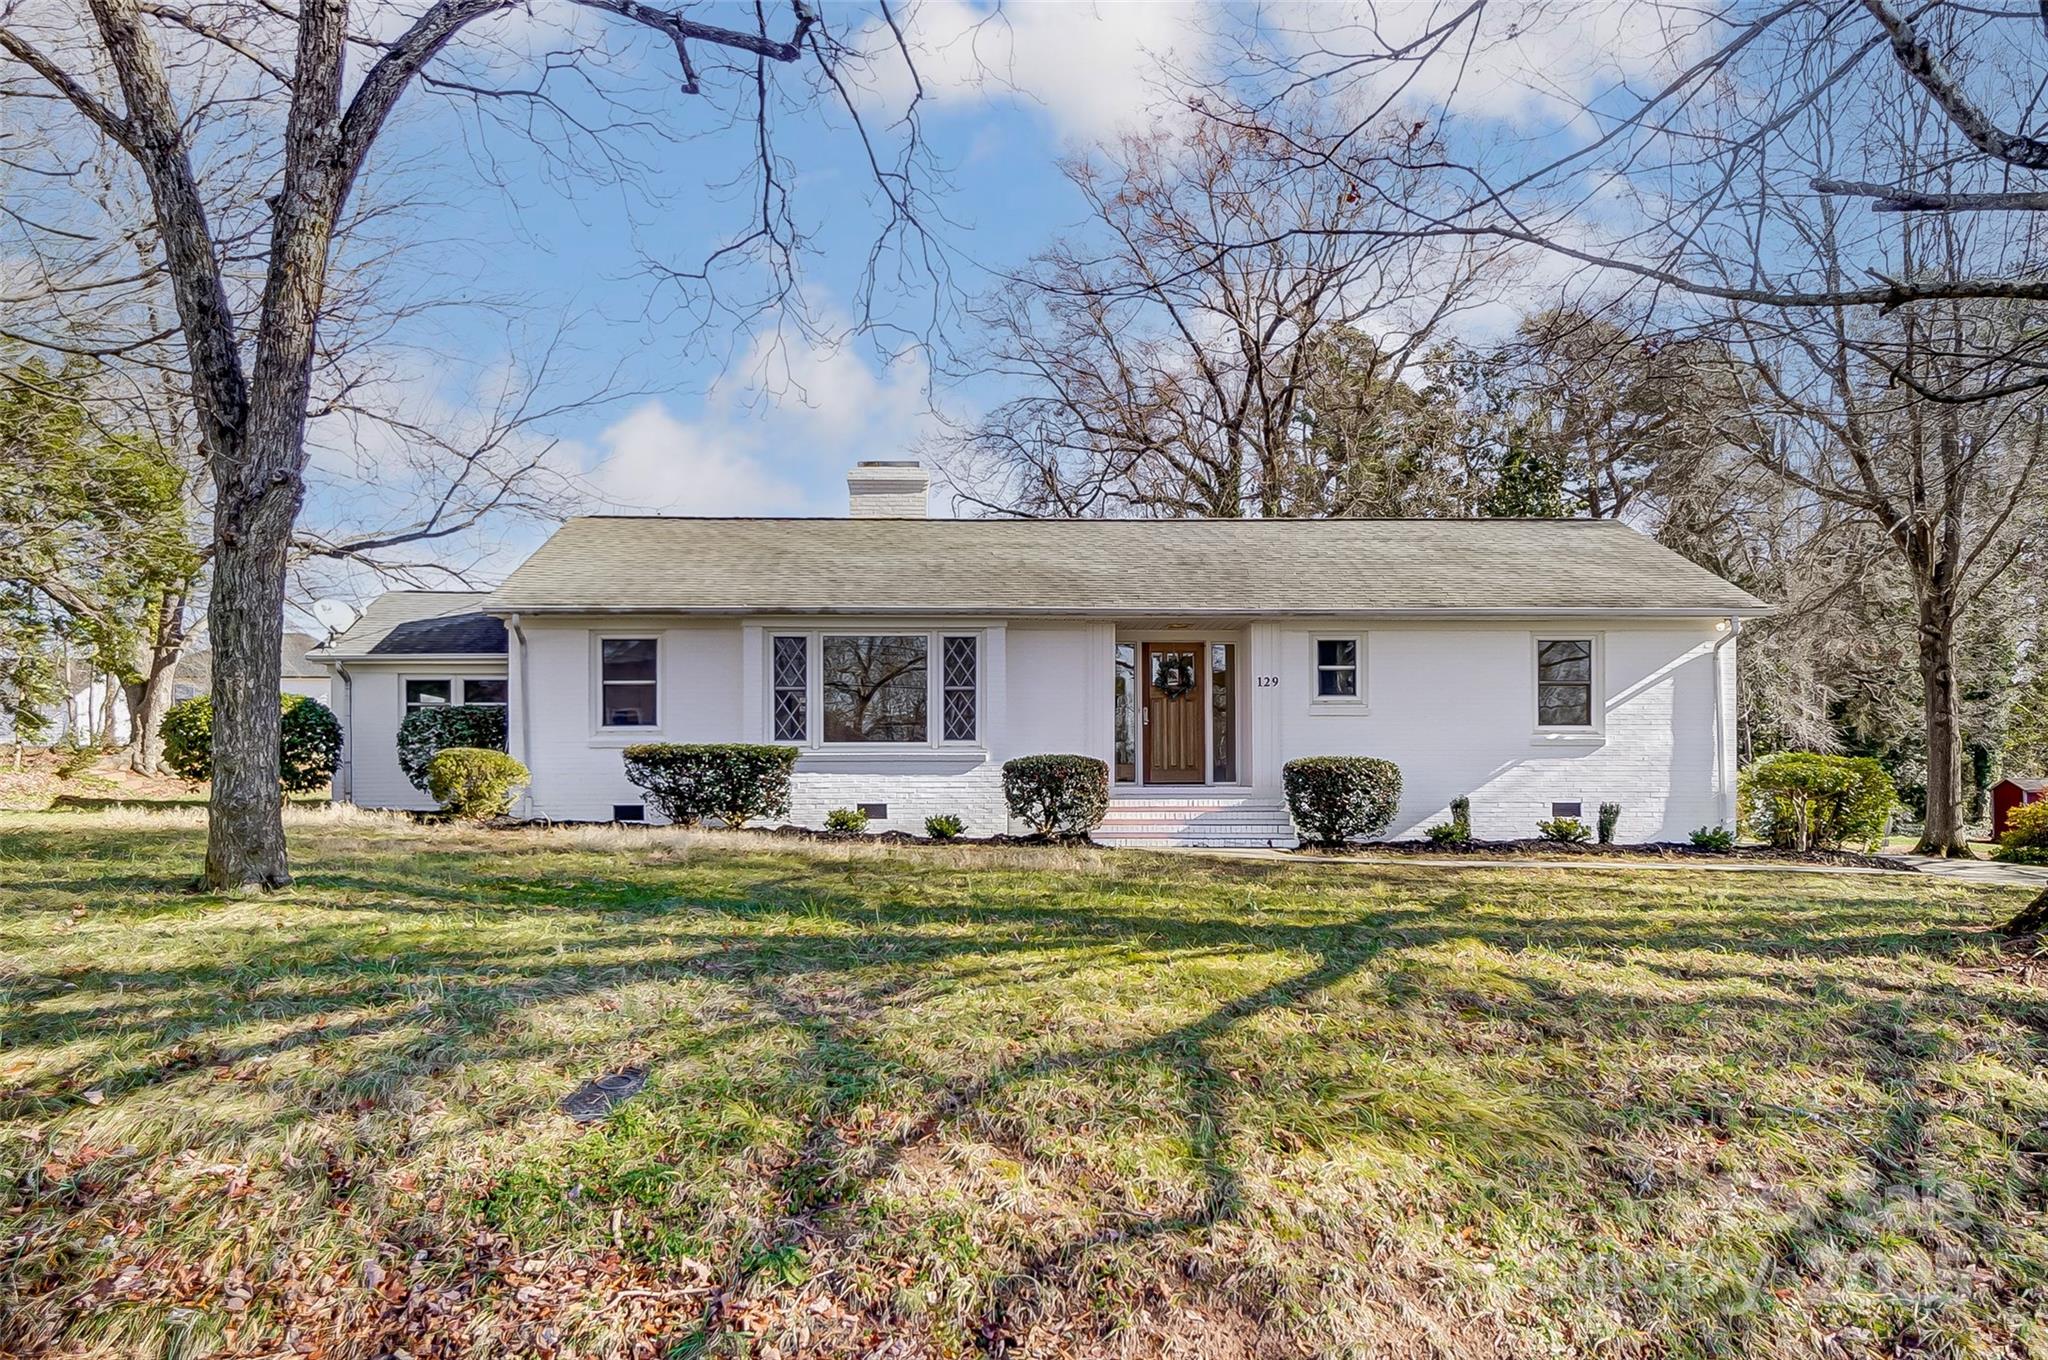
{"points": [[974, 795], [1454, 706], [370, 706], [1452, 703]]}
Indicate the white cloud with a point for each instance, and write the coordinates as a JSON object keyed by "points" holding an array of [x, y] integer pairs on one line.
{"points": [[654, 460], [1090, 67], [774, 438]]}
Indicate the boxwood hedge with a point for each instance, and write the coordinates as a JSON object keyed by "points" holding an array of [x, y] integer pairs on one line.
{"points": [[1334, 799]]}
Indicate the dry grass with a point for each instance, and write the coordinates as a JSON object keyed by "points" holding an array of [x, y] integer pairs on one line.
{"points": [[956, 1100]]}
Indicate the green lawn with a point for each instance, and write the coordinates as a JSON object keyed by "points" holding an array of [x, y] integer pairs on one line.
{"points": [[962, 1101]]}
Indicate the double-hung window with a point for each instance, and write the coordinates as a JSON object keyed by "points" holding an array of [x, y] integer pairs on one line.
{"points": [[1338, 671], [1564, 682], [874, 689], [628, 685]]}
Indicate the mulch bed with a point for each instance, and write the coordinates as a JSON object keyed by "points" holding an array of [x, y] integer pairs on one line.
{"points": [[1667, 850], [1532, 848]]}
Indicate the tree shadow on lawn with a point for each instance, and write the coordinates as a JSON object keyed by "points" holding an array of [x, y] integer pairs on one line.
{"points": [[859, 952]]}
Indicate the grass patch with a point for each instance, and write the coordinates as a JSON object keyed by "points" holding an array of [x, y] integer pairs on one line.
{"points": [[976, 1101]]}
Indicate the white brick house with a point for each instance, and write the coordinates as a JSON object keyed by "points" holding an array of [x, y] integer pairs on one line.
{"points": [[1531, 665]]}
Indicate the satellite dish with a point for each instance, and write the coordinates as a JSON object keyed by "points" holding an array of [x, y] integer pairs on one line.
{"points": [[334, 615]]}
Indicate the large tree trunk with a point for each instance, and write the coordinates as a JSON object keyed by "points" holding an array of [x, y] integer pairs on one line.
{"points": [[260, 486], [1943, 834], [245, 811]]}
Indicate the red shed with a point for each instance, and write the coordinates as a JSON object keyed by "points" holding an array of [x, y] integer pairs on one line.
{"points": [[2008, 794]]}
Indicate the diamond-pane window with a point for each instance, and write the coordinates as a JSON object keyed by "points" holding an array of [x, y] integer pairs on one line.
{"points": [[792, 688], [961, 664]]}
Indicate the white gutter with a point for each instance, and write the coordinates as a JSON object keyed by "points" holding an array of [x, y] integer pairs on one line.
{"points": [[1723, 738], [525, 756], [1155, 611], [344, 783]]}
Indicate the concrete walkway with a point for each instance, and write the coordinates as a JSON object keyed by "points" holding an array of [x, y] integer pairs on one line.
{"points": [[1982, 871], [1977, 871]]}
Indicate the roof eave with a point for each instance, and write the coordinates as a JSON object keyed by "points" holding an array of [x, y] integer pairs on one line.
{"points": [[331, 657], [1752, 610]]}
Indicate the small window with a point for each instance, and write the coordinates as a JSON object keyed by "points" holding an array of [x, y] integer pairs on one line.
{"points": [[1564, 682], [428, 694], [1567, 809], [1337, 668], [627, 682], [957, 706], [490, 692], [791, 696], [629, 812], [874, 812]]}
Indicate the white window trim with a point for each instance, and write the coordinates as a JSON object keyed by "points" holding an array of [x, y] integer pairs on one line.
{"points": [[1352, 704], [598, 726], [1597, 703], [935, 689]]}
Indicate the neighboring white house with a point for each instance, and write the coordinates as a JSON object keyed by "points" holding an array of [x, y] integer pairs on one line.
{"points": [[97, 705], [1539, 667]]}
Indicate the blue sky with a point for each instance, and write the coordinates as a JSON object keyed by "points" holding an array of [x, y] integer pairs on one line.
{"points": [[704, 419]]}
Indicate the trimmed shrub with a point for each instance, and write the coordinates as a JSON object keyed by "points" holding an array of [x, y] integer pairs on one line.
{"points": [[2026, 835], [1334, 799], [852, 821], [474, 783], [426, 731], [1565, 831], [1610, 814], [1058, 797], [1444, 833], [1713, 838], [1461, 816], [309, 741], [943, 826], [731, 781], [1798, 800]]}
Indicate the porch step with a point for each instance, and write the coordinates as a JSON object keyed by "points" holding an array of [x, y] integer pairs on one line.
{"points": [[1215, 820]]}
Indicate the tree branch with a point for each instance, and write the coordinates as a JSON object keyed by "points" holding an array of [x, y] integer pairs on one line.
{"points": [[1918, 60], [105, 119], [1898, 198]]}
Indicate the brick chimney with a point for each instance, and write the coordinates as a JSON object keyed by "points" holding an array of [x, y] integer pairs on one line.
{"points": [[884, 490]]}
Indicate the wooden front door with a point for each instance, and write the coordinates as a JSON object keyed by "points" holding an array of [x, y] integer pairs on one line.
{"points": [[1174, 745]]}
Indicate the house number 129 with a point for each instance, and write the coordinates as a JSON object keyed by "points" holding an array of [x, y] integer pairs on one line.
{"points": [[1268, 681]]}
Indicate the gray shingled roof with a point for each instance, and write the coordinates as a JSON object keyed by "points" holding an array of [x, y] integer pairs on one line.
{"points": [[293, 662], [1110, 567], [419, 623]]}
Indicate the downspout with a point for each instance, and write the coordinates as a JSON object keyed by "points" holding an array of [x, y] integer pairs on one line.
{"points": [[1723, 738], [525, 709], [345, 785]]}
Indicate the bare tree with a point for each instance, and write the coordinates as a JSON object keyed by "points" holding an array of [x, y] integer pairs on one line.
{"points": [[1713, 142], [1158, 377], [1825, 179], [303, 95]]}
